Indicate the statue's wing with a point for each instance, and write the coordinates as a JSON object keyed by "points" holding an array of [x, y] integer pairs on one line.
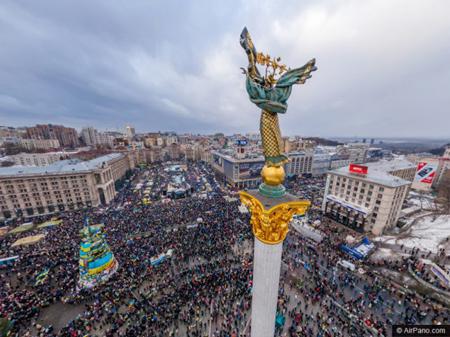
{"points": [[247, 43], [297, 76]]}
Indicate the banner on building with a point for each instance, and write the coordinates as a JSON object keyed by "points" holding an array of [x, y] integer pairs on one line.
{"points": [[358, 169], [250, 170], [425, 172], [241, 142]]}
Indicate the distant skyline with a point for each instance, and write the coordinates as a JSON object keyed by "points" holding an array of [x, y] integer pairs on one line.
{"points": [[348, 137], [175, 65]]}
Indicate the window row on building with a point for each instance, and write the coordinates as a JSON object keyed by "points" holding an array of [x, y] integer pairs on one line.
{"points": [[66, 185]]}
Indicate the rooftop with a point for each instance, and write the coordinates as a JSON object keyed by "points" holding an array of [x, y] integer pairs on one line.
{"points": [[256, 156], [230, 155], [391, 165], [378, 174], [63, 166]]}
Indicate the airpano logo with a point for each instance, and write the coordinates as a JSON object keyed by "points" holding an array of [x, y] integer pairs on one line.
{"points": [[420, 330]]}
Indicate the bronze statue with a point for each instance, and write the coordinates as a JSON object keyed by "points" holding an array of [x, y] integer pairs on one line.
{"points": [[271, 94]]}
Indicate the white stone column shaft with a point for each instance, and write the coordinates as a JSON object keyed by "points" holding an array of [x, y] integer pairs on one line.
{"points": [[266, 278]]}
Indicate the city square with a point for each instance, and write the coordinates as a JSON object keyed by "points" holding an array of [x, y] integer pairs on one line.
{"points": [[226, 169], [204, 288]]}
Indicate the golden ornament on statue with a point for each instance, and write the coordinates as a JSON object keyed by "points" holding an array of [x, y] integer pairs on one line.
{"points": [[270, 226], [273, 175]]}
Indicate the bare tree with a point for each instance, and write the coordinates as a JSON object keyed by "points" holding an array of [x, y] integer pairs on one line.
{"points": [[444, 192]]}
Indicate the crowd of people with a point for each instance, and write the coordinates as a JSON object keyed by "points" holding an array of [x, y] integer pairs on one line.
{"points": [[339, 302], [206, 276], [309, 188], [204, 289]]}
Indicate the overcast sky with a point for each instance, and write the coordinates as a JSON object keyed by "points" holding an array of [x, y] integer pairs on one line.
{"points": [[383, 65]]}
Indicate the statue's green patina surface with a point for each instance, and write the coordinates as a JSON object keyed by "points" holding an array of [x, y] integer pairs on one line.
{"points": [[271, 95]]}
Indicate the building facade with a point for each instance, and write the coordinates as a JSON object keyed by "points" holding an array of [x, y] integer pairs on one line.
{"points": [[365, 198], [245, 172], [89, 136], [300, 163], [36, 159], [92, 137], [338, 161], [191, 152], [130, 132], [321, 163], [65, 185], [40, 144], [67, 137], [357, 152]]}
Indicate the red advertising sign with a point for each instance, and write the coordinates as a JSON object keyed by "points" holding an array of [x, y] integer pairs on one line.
{"points": [[421, 165], [426, 172], [429, 178], [358, 169]]}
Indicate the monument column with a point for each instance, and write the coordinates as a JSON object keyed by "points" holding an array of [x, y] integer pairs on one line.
{"points": [[270, 217], [266, 276], [270, 206]]}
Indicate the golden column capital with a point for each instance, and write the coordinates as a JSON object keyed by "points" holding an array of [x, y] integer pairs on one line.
{"points": [[271, 226]]}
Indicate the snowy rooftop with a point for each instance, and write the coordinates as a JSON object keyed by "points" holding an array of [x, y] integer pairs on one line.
{"points": [[63, 166], [378, 173], [391, 165]]}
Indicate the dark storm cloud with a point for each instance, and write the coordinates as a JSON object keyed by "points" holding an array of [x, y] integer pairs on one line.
{"points": [[174, 65]]}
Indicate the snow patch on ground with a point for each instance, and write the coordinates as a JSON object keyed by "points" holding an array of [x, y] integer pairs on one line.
{"points": [[387, 254], [425, 201], [425, 235]]}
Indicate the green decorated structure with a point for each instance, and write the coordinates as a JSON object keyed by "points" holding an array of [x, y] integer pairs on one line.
{"points": [[97, 262]]}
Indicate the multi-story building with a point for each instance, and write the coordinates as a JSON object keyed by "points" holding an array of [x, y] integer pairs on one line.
{"points": [[171, 139], [173, 151], [89, 135], [156, 154], [357, 152], [105, 139], [67, 137], [64, 185], [245, 172], [92, 137], [321, 163], [367, 198], [188, 151], [375, 153], [295, 144], [240, 173], [130, 132], [205, 154], [300, 163], [191, 151], [40, 144], [150, 141], [9, 140], [8, 131], [338, 161]]}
